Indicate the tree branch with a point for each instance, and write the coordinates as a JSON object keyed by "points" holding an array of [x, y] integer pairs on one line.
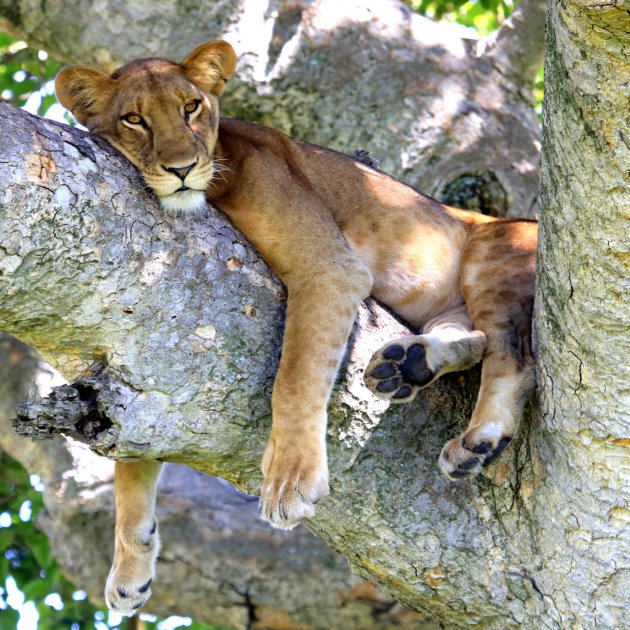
{"points": [[354, 75], [91, 270], [517, 47], [247, 569]]}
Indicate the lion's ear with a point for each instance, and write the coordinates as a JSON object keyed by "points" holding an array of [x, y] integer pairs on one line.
{"points": [[211, 65], [84, 91]]}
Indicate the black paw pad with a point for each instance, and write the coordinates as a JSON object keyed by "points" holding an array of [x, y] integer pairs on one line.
{"points": [[136, 606], [122, 592], [469, 463], [153, 528], [145, 587], [403, 392], [388, 386], [459, 474], [394, 353], [414, 369], [384, 370], [481, 448], [501, 446]]}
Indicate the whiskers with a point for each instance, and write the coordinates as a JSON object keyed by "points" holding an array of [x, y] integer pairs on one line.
{"points": [[147, 188], [219, 171]]}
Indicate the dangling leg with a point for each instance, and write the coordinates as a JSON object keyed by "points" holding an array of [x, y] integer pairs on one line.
{"points": [[501, 306], [137, 542], [320, 314], [448, 343]]}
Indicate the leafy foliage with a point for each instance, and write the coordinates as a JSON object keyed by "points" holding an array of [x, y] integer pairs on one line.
{"points": [[484, 16], [25, 72], [27, 559]]}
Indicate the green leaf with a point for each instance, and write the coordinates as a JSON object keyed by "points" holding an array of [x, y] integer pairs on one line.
{"points": [[9, 619], [37, 589], [41, 550], [6, 538], [44, 614], [4, 569], [47, 103]]}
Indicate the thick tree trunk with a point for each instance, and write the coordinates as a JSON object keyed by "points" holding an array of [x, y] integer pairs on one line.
{"points": [[583, 306]]}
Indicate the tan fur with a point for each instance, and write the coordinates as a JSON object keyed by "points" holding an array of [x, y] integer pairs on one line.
{"points": [[137, 542], [334, 230]]}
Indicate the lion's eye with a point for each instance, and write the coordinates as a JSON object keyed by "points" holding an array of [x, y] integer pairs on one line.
{"points": [[133, 119], [192, 107]]}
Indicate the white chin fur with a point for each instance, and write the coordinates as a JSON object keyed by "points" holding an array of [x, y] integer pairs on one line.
{"points": [[184, 202]]}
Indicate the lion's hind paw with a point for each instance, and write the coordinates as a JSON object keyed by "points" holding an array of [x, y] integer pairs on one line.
{"points": [[128, 585], [399, 370], [466, 455]]}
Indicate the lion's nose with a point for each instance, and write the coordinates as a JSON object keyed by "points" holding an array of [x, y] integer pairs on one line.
{"points": [[180, 171]]}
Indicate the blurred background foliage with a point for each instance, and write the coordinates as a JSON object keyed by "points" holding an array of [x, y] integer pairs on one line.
{"points": [[484, 16], [33, 592], [25, 74]]}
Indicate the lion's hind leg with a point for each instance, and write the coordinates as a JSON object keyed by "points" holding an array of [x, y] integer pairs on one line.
{"points": [[498, 286], [402, 367], [505, 386]]}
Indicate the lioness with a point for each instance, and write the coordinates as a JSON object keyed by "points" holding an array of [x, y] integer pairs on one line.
{"points": [[334, 230]]}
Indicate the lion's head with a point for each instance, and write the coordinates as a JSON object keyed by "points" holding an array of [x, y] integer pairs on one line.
{"points": [[161, 115]]}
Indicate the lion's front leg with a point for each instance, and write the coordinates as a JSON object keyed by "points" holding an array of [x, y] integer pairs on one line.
{"points": [[320, 314], [137, 542]]}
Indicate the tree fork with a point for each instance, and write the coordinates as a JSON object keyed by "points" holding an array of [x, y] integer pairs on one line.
{"points": [[514, 548], [190, 319]]}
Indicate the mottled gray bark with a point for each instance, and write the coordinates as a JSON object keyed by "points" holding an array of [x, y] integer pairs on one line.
{"points": [[583, 306], [447, 114]]}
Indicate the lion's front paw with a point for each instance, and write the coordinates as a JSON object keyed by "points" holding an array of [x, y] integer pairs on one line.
{"points": [[129, 582], [295, 480], [399, 370], [467, 454]]}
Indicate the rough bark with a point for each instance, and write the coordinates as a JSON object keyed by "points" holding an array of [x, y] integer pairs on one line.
{"points": [[583, 306], [447, 114], [248, 574]]}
